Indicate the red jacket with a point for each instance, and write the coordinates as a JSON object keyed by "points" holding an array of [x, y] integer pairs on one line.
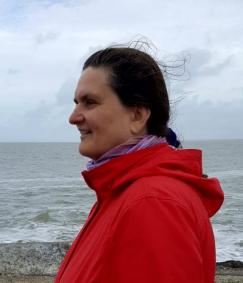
{"points": [[150, 222]]}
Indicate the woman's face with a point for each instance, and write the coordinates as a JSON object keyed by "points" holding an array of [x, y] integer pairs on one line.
{"points": [[101, 119]]}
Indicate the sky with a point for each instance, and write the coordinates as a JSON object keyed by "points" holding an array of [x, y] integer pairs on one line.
{"points": [[44, 43]]}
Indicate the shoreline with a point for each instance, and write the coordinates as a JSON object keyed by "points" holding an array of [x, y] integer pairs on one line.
{"points": [[37, 262]]}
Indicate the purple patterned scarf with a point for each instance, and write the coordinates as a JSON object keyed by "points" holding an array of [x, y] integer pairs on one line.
{"points": [[131, 145]]}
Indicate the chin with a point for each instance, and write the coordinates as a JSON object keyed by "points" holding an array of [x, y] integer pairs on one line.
{"points": [[84, 151]]}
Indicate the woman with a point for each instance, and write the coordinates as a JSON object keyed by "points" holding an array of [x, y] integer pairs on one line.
{"points": [[151, 219]]}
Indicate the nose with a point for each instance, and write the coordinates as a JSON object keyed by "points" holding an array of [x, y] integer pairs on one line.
{"points": [[76, 116]]}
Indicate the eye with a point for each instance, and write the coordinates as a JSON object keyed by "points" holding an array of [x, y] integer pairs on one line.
{"points": [[86, 101], [75, 101], [90, 101]]}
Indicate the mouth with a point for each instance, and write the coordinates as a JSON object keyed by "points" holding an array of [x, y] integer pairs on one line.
{"points": [[84, 132]]}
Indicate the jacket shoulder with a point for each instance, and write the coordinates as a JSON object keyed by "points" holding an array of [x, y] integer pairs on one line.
{"points": [[167, 189], [161, 187]]}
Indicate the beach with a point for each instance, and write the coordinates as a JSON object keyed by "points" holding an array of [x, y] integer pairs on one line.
{"points": [[37, 262]]}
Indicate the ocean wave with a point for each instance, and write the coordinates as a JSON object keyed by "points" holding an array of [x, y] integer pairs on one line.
{"points": [[41, 179], [42, 217], [227, 173]]}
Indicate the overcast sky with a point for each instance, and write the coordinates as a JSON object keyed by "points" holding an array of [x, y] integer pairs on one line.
{"points": [[43, 44]]}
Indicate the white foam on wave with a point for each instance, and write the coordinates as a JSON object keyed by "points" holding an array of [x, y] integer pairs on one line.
{"points": [[40, 233], [228, 244]]}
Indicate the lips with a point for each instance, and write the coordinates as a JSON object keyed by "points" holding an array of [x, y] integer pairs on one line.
{"points": [[84, 132]]}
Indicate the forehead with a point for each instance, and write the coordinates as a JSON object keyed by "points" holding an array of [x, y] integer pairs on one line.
{"points": [[92, 81]]}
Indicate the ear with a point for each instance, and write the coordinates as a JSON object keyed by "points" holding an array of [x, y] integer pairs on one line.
{"points": [[140, 117]]}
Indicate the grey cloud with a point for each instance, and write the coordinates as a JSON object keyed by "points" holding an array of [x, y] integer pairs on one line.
{"points": [[13, 71], [197, 59], [41, 38], [61, 107], [209, 120], [38, 114], [216, 69], [66, 93], [49, 121], [199, 62]]}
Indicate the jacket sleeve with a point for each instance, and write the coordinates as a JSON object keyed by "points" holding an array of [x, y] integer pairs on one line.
{"points": [[154, 241]]}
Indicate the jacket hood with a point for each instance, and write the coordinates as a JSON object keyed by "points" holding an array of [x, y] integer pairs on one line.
{"points": [[159, 160]]}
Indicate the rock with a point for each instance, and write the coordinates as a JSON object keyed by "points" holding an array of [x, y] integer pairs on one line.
{"points": [[230, 264], [31, 258]]}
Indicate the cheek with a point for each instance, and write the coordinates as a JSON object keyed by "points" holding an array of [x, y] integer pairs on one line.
{"points": [[107, 123], [101, 120], [94, 119]]}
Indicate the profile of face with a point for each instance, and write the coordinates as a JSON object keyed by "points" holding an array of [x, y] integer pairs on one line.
{"points": [[102, 120]]}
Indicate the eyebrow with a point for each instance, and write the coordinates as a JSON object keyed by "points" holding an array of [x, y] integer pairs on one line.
{"points": [[86, 96]]}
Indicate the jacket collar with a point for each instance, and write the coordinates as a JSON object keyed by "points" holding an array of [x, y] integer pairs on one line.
{"points": [[159, 160], [125, 169]]}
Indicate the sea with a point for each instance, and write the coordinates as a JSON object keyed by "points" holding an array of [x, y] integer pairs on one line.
{"points": [[44, 198]]}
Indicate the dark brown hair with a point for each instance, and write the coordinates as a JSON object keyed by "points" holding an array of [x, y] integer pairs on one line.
{"points": [[138, 81]]}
